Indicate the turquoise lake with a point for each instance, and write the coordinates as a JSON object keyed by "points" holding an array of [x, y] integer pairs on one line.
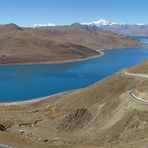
{"points": [[24, 82]]}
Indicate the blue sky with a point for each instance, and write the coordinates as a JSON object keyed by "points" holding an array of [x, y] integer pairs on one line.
{"points": [[28, 12]]}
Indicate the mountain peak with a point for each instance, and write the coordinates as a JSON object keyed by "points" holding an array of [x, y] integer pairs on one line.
{"points": [[12, 26], [76, 24]]}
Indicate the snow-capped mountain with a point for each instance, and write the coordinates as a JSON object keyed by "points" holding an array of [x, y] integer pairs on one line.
{"points": [[43, 25], [101, 22], [104, 22], [140, 29]]}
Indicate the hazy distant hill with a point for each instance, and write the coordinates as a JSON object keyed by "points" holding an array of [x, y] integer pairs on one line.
{"points": [[131, 30]]}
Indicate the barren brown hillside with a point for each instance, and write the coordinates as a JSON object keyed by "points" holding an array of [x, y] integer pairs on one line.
{"points": [[19, 45], [99, 116], [26, 45], [89, 36], [140, 68]]}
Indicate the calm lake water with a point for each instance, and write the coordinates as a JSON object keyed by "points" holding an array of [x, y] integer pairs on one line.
{"points": [[24, 82]]}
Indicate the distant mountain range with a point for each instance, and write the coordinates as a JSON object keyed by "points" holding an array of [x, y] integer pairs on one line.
{"points": [[56, 43], [120, 28], [104, 22]]}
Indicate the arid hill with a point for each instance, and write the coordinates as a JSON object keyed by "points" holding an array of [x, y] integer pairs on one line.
{"points": [[50, 44], [140, 68], [89, 36], [100, 116], [19, 45]]}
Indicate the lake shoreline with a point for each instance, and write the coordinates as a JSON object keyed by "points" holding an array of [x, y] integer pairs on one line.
{"points": [[38, 99]]}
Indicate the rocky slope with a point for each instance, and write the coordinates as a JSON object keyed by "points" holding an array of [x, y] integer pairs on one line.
{"points": [[102, 115]]}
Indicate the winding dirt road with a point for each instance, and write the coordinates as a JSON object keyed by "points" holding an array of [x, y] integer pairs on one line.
{"points": [[131, 92]]}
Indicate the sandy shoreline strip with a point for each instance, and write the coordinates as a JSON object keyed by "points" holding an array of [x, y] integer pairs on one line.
{"points": [[37, 99]]}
